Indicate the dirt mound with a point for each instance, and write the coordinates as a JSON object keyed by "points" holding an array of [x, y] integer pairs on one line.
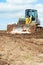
{"points": [[3, 62], [21, 49]]}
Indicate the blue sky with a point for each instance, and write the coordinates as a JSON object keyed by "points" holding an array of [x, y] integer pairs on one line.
{"points": [[2, 0], [11, 10]]}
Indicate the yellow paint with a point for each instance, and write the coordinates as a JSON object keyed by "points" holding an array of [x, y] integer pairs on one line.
{"points": [[29, 20]]}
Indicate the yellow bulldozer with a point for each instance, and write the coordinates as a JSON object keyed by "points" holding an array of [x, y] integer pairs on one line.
{"points": [[29, 24], [31, 16]]}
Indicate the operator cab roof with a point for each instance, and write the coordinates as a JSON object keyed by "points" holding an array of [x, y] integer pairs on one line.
{"points": [[31, 9]]}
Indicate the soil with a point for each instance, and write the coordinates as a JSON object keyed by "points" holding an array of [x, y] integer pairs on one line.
{"points": [[19, 49]]}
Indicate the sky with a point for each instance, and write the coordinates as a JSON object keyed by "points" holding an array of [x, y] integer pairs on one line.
{"points": [[12, 10]]}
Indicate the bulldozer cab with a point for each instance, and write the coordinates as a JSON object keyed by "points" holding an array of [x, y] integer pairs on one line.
{"points": [[31, 18], [31, 12]]}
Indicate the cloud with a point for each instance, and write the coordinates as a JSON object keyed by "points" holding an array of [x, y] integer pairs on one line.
{"points": [[39, 7], [21, 1], [16, 4], [13, 9]]}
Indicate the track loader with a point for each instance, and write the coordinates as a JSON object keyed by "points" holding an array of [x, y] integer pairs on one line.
{"points": [[29, 24]]}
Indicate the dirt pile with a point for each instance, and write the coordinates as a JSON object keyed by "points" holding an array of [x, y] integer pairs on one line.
{"points": [[21, 50]]}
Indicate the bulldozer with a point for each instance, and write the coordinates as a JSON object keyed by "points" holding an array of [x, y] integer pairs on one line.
{"points": [[29, 24], [31, 17]]}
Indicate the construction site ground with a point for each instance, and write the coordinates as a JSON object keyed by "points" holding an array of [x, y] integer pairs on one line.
{"points": [[21, 49]]}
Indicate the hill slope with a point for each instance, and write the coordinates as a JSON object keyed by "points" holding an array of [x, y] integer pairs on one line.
{"points": [[20, 50]]}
